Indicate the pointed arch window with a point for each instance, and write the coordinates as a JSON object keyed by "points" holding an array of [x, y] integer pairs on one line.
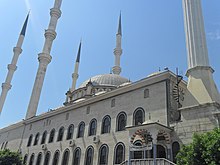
{"points": [[121, 121], [119, 153], [36, 139], [39, 158], [60, 134], [31, 161], [44, 136], [175, 149], [76, 156], [92, 127], [52, 134], [103, 155], [106, 124], [30, 140], [89, 156], [65, 160], [139, 116], [47, 158], [70, 132], [25, 159], [81, 129], [56, 158]]}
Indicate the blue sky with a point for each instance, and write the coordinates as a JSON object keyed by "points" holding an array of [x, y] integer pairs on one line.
{"points": [[153, 38]]}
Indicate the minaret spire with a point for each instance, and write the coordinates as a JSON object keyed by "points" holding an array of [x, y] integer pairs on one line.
{"points": [[118, 51], [6, 86], [75, 75], [200, 80], [44, 59]]}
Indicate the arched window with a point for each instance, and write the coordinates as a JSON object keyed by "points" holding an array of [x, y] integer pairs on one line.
{"points": [[146, 93], [70, 132], [121, 121], [39, 157], [47, 158], [44, 136], [89, 156], [81, 129], [119, 153], [138, 116], [29, 140], [52, 134], [36, 139], [31, 161], [56, 158], [76, 156], [25, 159], [65, 160], [106, 124], [60, 134], [103, 155], [92, 127], [175, 149]]}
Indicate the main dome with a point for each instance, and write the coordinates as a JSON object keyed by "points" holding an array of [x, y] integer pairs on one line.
{"points": [[105, 80]]}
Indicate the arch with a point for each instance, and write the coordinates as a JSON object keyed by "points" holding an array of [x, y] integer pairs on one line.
{"points": [[60, 134], [119, 151], [70, 132], [89, 156], [103, 155], [39, 158], [31, 161], [47, 158], [92, 127], [121, 121], [56, 158], [81, 129], [36, 139], [106, 124], [25, 159], [138, 116], [165, 135], [66, 154], [76, 156], [29, 140], [44, 136], [52, 134], [175, 149]]}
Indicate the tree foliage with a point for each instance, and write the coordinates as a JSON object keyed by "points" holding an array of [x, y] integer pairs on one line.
{"points": [[8, 157], [204, 150]]}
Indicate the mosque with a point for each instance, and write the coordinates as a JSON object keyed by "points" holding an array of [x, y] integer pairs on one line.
{"points": [[110, 120]]}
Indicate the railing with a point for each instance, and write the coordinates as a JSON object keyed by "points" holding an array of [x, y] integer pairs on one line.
{"points": [[159, 161]]}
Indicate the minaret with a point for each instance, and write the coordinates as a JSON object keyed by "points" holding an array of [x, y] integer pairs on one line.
{"points": [[118, 51], [6, 86], [75, 75], [44, 59], [200, 80]]}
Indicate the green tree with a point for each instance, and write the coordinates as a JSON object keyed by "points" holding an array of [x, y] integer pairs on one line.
{"points": [[8, 157], [204, 150]]}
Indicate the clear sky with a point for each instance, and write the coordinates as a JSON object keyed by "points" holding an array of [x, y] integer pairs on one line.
{"points": [[153, 38]]}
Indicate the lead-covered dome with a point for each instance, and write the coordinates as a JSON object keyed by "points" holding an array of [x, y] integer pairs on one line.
{"points": [[105, 80]]}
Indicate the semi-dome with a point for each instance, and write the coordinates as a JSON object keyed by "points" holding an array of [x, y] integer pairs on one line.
{"points": [[105, 80]]}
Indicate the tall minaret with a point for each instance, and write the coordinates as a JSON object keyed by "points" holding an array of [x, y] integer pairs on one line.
{"points": [[200, 80], [75, 75], [118, 51], [44, 59], [6, 86]]}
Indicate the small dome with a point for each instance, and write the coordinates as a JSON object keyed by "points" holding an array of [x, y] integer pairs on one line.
{"points": [[105, 80]]}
